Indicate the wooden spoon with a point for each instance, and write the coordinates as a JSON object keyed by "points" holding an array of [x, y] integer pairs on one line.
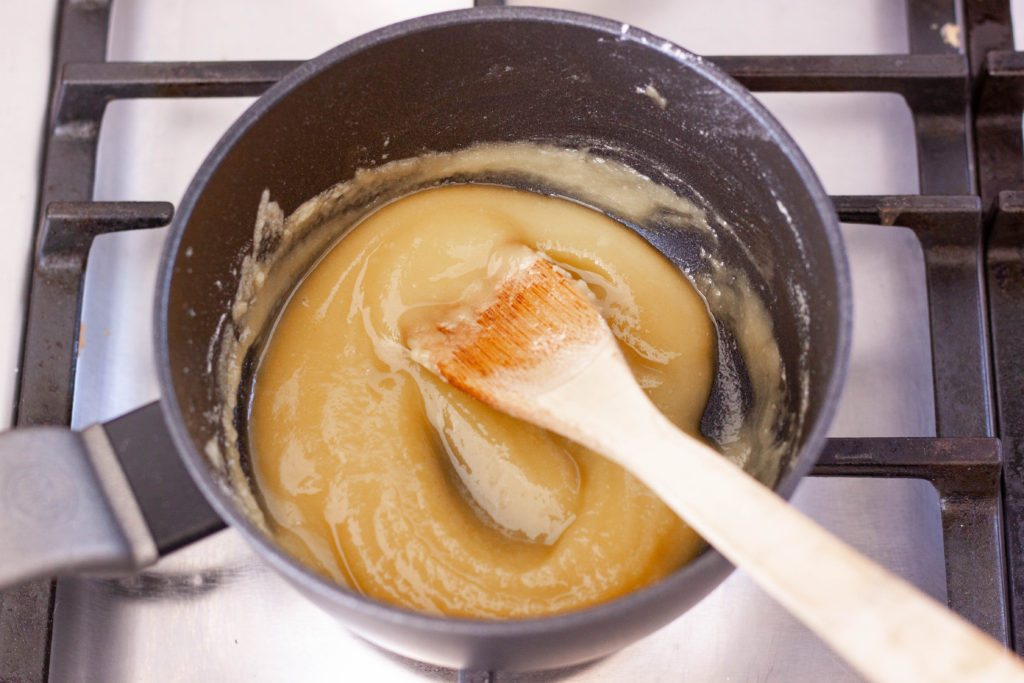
{"points": [[531, 344]]}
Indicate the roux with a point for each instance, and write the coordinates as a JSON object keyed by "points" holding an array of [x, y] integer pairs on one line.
{"points": [[384, 478]]}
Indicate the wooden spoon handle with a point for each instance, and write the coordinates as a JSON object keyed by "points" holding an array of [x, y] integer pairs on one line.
{"points": [[880, 624]]}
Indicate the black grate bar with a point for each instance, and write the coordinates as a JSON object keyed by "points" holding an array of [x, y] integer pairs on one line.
{"points": [[903, 74], [71, 226], [949, 229], [998, 125], [1006, 64], [989, 26], [1006, 300], [1006, 237], [51, 346], [927, 213], [998, 102], [971, 465], [945, 75], [86, 88], [965, 473]]}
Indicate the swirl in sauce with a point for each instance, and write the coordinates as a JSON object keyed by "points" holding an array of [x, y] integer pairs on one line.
{"points": [[386, 479]]}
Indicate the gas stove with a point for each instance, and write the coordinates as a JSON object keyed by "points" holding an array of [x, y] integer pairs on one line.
{"points": [[910, 113]]}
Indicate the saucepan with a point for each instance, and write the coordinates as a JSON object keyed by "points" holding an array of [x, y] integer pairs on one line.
{"points": [[116, 496]]}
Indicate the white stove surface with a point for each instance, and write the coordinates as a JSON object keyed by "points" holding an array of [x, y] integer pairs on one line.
{"points": [[26, 51], [238, 621]]}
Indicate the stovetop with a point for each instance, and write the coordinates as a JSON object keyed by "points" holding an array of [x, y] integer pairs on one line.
{"points": [[896, 147]]}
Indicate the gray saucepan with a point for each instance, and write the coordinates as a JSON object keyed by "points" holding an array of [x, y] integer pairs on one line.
{"points": [[116, 496]]}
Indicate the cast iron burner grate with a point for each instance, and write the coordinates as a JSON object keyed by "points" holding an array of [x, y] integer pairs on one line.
{"points": [[969, 219]]}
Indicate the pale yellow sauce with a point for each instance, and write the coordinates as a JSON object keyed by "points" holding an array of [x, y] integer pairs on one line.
{"points": [[384, 478]]}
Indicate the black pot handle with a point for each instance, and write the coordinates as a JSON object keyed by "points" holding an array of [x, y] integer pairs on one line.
{"points": [[109, 499]]}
